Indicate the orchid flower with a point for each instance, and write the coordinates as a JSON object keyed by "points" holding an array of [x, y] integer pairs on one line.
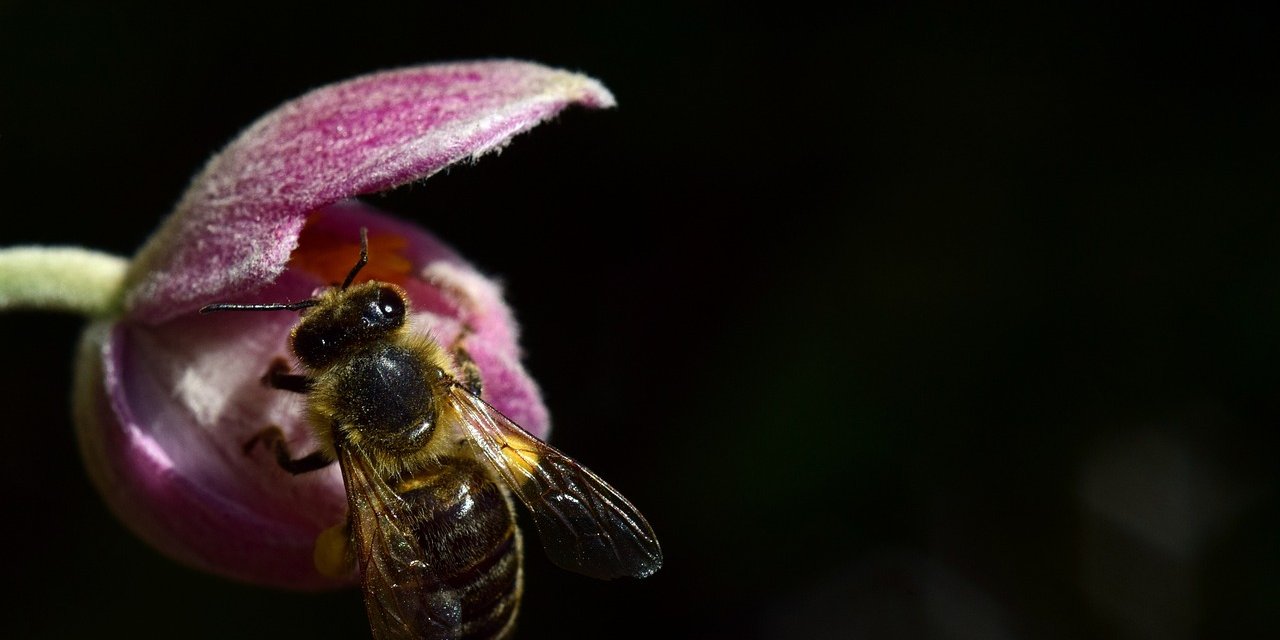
{"points": [[165, 399]]}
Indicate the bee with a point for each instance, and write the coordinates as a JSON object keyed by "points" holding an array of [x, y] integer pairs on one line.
{"points": [[429, 469]]}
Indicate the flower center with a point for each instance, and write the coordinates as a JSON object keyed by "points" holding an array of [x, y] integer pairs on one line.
{"points": [[328, 251]]}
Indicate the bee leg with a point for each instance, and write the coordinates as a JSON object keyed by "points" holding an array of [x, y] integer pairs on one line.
{"points": [[278, 377], [470, 371], [273, 439]]}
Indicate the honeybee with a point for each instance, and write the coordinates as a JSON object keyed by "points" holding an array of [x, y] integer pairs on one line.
{"points": [[429, 469]]}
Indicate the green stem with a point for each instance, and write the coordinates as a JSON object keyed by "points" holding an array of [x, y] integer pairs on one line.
{"points": [[61, 279]]}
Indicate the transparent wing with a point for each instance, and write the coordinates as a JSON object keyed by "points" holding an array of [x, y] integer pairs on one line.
{"points": [[404, 599], [585, 525]]}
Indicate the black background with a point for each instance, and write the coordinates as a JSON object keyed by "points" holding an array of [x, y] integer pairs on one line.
{"points": [[942, 323]]}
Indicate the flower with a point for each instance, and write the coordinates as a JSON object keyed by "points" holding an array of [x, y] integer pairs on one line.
{"points": [[166, 399]]}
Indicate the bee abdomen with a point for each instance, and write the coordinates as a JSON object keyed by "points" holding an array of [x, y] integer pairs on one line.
{"points": [[466, 528]]}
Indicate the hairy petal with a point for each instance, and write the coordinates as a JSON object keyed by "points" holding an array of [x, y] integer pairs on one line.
{"points": [[236, 226]]}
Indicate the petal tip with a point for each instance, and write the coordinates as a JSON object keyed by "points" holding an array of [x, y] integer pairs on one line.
{"points": [[593, 93]]}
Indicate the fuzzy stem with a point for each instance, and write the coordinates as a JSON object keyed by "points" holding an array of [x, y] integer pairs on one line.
{"points": [[61, 279]]}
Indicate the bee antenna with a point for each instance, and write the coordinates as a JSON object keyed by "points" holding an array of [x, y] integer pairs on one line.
{"points": [[273, 306], [364, 258]]}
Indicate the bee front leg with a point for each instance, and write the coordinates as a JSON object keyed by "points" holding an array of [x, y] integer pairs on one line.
{"points": [[273, 439], [278, 377], [467, 366]]}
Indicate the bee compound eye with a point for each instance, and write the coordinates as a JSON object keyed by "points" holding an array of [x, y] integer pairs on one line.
{"points": [[390, 303], [385, 309]]}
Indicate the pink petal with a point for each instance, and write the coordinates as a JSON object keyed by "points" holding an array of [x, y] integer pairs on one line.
{"points": [[239, 221]]}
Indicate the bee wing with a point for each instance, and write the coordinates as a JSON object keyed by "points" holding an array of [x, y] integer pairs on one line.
{"points": [[585, 525], [402, 595]]}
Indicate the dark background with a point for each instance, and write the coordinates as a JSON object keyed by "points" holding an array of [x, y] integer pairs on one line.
{"points": [[932, 324]]}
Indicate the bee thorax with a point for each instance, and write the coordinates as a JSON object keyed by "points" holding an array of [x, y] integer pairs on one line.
{"points": [[383, 395]]}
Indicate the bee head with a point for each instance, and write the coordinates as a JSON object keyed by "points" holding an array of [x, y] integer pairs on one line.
{"points": [[346, 320], [342, 320]]}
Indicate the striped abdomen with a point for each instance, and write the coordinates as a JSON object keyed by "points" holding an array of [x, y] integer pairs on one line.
{"points": [[467, 533]]}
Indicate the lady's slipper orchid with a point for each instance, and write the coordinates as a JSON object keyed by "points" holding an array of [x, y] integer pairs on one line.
{"points": [[166, 399]]}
